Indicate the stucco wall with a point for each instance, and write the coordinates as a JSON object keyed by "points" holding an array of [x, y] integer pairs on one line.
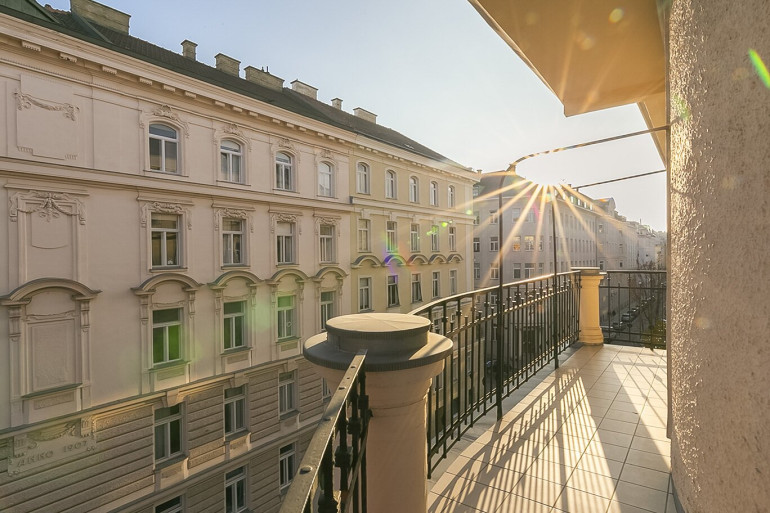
{"points": [[720, 219]]}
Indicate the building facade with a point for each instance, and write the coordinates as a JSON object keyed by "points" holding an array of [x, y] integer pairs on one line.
{"points": [[175, 232]]}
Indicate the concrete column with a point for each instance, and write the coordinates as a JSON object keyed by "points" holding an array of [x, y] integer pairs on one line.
{"points": [[590, 330], [402, 359]]}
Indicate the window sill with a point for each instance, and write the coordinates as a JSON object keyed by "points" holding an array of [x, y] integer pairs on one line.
{"points": [[168, 365], [235, 350], [235, 435], [287, 264], [286, 191], [47, 391], [154, 172], [288, 415], [239, 185], [171, 461], [235, 266], [287, 340], [170, 268]]}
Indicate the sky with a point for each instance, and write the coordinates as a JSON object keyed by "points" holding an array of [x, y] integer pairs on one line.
{"points": [[431, 69]]}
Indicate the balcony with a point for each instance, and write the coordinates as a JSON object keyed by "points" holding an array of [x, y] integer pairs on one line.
{"points": [[528, 412]]}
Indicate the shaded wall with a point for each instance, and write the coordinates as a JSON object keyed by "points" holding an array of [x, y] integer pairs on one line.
{"points": [[720, 221]]}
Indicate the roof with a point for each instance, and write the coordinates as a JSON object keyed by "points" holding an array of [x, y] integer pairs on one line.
{"points": [[76, 26]]}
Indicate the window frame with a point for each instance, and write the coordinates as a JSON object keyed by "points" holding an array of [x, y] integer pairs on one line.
{"points": [[231, 235], [493, 217], [451, 196], [494, 271], [416, 288], [163, 245], [391, 184], [285, 244], [163, 140], [364, 287], [433, 194], [287, 393], [165, 424], [170, 508], [452, 282], [391, 236], [363, 178], [476, 244], [325, 171], [286, 172], [414, 189], [286, 318], [452, 238], [392, 284], [414, 237], [236, 404], [436, 284], [476, 270], [232, 480], [231, 319], [494, 243], [286, 466], [166, 339], [227, 155], [435, 243], [327, 308], [327, 251]]}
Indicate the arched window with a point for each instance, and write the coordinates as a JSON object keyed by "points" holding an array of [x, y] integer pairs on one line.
{"points": [[325, 179], [164, 141], [390, 184], [362, 178], [434, 194], [284, 171], [414, 190], [451, 196], [230, 156]]}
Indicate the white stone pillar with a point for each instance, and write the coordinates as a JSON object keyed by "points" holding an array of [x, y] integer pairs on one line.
{"points": [[590, 329], [402, 358]]}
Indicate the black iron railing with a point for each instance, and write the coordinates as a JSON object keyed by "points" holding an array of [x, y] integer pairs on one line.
{"points": [[339, 441], [632, 306], [539, 320]]}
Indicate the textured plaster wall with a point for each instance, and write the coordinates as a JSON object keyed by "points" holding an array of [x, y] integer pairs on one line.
{"points": [[720, 272]]}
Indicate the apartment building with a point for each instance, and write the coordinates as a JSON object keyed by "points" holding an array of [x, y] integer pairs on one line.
{"points": [[175, 232]]}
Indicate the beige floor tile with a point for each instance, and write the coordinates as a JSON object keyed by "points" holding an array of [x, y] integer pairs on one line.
{"points": [[447, 505], [623, 406], [550, 471], [577, 430], [607, 386], [599, 465], [670, 505], [498, 477], [623, 416], [573, 443], [619, 507], [469, 493], [578, 417], [466, 467], [640, 496], [519, 504], [645, 477], [649, 460], [596, 484], [618, 426], [540, 490], [651, 432], [601, 394], [649, 445], [613, 437], [578, 501], [558, 454], [515, 461], [606, 450]]}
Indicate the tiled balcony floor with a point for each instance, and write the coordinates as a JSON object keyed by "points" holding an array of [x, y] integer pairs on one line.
{"points": [[589, 438]]}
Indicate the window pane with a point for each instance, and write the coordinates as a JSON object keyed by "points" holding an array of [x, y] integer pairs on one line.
{"points": [[228, 417], [167, 221], [224, 165], [157, 345], [238, 338], [173, 342], [171, 315], [155, 154], [170, 157], [228, 333], [157, 241], [171, 257], [163, 131], [160, 441], [175, 428]]}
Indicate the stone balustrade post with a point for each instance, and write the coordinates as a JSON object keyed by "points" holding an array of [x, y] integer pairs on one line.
{"points": [[402, 358], [590, 329]]}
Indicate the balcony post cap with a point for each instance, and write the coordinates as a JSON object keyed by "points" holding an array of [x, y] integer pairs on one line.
{"points": [[391, 341]]}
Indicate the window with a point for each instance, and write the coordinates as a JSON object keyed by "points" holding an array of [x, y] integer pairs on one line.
{"points": [[325, 179], [453, 282], [235, 491], [476, 218], [517, 243], [364, 294], [540, 243], [531, 216], [452, 238], [601, 265], [284, 172], [164, 142], [601, 228], [516, 213], [327, 307], [166, 335], [393, 290], [414, 237], [285, 317], [363, 235], [476, 244], [390, 184], [451, 196], [493, 244], [172, 506], [540, 268], [230, 155], [493, 217], [232, 241], [416, 288], [476, 271], [285, 466], [434, 242], [529, 242], [168, 432], [414, 190], [494, 272], [326, 239], [235, 408], [529, 270], [284, 233], [165, 239], [362, 178], [436, 288], [391, 244], [516, 271], [434, 194], [287, 391], [476, 191], [234, 324]]}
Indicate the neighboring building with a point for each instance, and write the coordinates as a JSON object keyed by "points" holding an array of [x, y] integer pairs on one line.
{"points": [[589, 233], [175, 233]]}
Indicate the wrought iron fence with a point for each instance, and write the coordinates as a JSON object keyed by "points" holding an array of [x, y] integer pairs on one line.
{"points": [[632, 306], [339, 441], [539, 320]]}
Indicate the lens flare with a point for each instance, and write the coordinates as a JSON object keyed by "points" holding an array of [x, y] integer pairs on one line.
{"points": [[444, 224], [616, 15], [759, 67]]}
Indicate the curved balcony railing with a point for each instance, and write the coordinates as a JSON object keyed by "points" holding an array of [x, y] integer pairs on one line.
{"points": [[539, 319]]}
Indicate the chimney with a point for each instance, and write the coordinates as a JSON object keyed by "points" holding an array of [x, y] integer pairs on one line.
{"points": [[188, 49], [337, 103], [303, 88], [365, 114], [228, 64], [101, 15], [263, 78]]}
